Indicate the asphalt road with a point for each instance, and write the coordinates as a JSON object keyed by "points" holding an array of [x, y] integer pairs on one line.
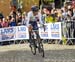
{"points": [[22, 53]]}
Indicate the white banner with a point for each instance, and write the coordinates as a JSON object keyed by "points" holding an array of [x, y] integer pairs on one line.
{"points": [[52, 31], [14, 33], [7, 34], [55, 30], [44, 32], [22, 32]]}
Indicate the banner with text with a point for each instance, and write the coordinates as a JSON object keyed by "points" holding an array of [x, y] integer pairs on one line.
{"points": [[55, 31], [14, 33], [44, 32], [51, 31], [22, 32]]}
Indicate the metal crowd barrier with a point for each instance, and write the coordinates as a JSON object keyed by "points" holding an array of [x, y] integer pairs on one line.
{"points": [[68, 31]]}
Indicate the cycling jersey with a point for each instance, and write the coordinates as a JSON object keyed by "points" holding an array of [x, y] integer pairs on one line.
{"points": [[32, 20]]}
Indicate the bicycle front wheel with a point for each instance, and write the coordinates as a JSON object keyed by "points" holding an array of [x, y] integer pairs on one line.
{"points": [[33, 47]]}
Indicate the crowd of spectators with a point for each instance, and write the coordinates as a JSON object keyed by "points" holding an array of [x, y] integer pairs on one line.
{"points": [[16, 17]]}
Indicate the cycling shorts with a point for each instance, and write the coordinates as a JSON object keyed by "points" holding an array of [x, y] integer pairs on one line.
{"points": [[34, 25]]}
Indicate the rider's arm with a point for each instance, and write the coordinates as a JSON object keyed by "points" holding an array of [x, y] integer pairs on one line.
{"points": [[28, 17]]}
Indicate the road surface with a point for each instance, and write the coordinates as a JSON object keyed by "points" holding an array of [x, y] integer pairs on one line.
{"points": [[22, 53]]}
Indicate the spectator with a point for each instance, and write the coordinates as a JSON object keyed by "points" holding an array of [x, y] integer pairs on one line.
{"points": [[0, 23], [49, 17], [13, 11], [24, 19], [12, 22], [19, 19], [64, 13], [4, 23], [74, 13], [59, 15]]}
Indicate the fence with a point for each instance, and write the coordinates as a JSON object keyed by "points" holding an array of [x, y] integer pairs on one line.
{"points": [[58, 30], [14, 33], [68, 31]]}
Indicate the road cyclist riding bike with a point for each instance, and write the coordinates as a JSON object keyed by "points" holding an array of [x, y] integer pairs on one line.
{"points": [[34, 38]]}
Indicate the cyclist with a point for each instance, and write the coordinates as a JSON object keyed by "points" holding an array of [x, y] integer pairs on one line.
{"points": [[33, 19]]}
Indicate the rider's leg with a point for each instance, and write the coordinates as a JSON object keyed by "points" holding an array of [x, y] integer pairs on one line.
{"points": [[30, 39]]}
